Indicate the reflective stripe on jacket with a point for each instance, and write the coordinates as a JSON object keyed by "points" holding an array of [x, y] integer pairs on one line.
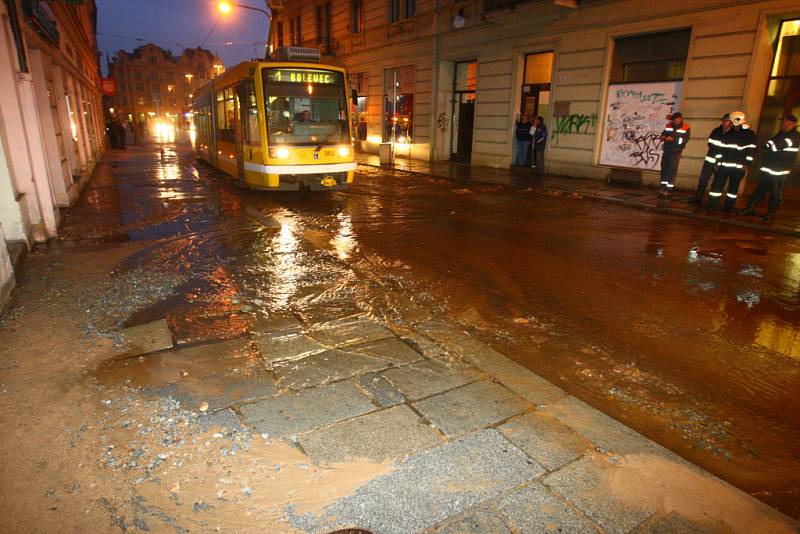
{"points": [[680, 136], [780, 153]]}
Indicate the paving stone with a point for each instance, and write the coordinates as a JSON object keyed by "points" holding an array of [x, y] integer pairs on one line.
{"points": [[428, 488], [601, 429], [381, 390], [280, 347], [676, 523], [481, 521], [534, 509], [350, 332], [546, 440], [379, 436], [324, 367], [428, 378], [391, 349], [277, 323], [515, 377], [584, 483], [146, 338], [291, 413], [427, 347], [471, 407]]}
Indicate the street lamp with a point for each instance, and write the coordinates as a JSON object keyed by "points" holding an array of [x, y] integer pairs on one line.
{"points": [[226, 7]]}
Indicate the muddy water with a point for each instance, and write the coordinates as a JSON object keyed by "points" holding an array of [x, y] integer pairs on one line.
{"points": [[685, 330]]}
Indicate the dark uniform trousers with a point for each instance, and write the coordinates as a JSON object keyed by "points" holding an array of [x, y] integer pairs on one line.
{"points": [[705, 175], [669, 168], [733, 176], [768, 184]]}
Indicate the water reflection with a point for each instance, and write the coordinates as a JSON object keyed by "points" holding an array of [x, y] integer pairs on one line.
{"points": [[344, 242]]}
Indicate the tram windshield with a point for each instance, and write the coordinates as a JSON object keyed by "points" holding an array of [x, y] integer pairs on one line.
{"points": [[305, 107]]}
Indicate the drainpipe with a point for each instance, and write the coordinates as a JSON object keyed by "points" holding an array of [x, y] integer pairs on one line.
{"points": [[435, 89]]}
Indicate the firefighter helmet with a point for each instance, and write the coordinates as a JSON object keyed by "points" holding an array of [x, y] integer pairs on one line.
{"points": [[738, 118]]}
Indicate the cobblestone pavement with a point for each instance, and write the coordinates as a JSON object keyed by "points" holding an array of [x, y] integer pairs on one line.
{"points": [[276, 396]]}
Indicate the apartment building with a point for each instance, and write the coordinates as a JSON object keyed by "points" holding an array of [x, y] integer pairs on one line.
{"points": [[447, 78], [153, 83], [51, 129]]}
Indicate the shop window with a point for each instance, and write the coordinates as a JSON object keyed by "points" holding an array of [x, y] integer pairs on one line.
{"points": [[783, 89], [356, 16], [398, 105], [654, 57], [358, 89], [401, 9]]}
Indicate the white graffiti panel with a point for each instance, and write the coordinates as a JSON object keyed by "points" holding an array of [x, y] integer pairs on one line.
{"points": [[635, 117]]}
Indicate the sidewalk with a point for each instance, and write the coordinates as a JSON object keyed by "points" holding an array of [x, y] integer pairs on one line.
{"points": [[787, 222], [308, 416]]}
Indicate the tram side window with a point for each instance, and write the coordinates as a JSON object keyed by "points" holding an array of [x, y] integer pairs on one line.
{"points": [[226, 114], [250, 114]]}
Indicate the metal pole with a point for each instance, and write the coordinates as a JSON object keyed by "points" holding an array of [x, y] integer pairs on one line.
{"points": [[394, 112]]}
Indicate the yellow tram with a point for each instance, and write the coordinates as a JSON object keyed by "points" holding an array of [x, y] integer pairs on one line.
{"points": [[277, 125]]}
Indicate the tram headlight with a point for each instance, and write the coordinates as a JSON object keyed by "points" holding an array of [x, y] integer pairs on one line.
{"points": [[280, 153], [344, 151]]}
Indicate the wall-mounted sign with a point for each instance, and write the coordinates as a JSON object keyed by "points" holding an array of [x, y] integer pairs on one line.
{"points": [[302, 76], [108, 86], [561, 108]]}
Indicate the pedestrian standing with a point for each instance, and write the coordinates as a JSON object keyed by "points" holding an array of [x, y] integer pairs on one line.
{"points": [[716, 142], [113, 136], [121, 133], [522, 140], [780, 154], [674, 137], [539, 140], [737, 154]]}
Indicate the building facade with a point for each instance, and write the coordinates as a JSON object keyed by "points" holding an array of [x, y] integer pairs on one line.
{"points": [[446, 80], [152, 83], [51, 118]]}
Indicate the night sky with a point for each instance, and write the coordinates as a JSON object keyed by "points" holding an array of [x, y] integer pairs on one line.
{"points": [[175, 24]]}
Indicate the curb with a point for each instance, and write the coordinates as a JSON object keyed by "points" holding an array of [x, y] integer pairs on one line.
{"points": [[663, 209]]}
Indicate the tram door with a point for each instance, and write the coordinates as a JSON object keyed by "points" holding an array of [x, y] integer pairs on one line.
{"points": [[242, 94]]}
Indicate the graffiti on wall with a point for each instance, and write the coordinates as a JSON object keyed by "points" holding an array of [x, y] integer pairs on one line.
{"points": [[574, 123], [635, 116]]}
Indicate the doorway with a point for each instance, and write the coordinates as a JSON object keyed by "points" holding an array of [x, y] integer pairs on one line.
{"points": [[536, 84], [463, 112]]}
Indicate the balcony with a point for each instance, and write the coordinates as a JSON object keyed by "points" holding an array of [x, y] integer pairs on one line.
{"points": [[492, 5]]}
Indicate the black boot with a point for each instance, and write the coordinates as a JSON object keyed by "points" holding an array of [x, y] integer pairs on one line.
{"points": [[713, 204], [696, 200], [749, 210], [770, 215]]}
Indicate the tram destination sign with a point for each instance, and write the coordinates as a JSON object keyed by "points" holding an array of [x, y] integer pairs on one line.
{"points": [[302, 76]]}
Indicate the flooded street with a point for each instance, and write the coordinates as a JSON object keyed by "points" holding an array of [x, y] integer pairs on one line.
{"points": [[688, 332]]}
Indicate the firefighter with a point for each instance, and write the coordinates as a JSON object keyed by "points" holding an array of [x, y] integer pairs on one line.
{"points": [[715, 144], [738, 149], [781, 152], [675, 137]]}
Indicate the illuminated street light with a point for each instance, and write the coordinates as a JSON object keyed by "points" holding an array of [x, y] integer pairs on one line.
{"points": [[226, 8]]}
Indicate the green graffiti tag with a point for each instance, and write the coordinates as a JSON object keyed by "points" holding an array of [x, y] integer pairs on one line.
{"points": [[575, 123]]}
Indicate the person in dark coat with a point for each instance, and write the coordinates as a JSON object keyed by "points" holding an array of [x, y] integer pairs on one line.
{"points": [[675, 138], [779, 157], [111, 132], [539, 140], [522, 140], [121, 133], [737, 155], [716, 141]]}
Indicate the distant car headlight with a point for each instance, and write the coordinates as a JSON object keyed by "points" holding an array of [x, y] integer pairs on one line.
{"points": [[280, 153], [344, 151]]}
